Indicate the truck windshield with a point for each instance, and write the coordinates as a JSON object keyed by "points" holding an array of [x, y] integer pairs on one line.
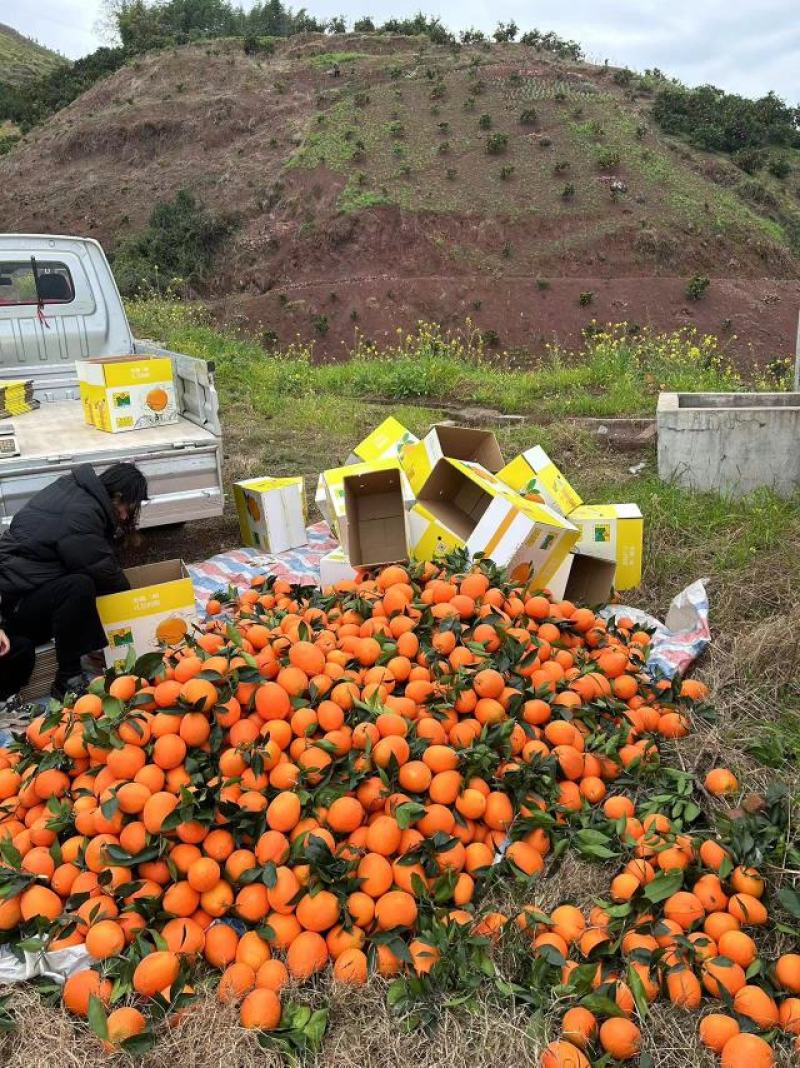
{"points": [[18, 284]]}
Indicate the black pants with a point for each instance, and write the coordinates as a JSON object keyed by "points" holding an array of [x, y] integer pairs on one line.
{"points": [[16, 666], [64, 610]]}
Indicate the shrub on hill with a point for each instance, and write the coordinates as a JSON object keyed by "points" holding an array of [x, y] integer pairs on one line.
{"points": [[178, 248], [724, 122]]}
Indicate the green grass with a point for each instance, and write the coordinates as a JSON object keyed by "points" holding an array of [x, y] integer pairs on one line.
{"points": [[328, 59], [614, 374], [22, 59]]}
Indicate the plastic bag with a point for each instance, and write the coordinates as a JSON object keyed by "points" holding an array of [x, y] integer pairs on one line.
{"points": [[58, 965], [681, 638]]}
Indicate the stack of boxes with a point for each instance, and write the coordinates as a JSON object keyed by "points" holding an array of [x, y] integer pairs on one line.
{"points": [[400, 498], [16, 397]]}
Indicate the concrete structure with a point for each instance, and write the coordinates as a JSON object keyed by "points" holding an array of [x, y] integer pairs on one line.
{"points": [[730, 443]]}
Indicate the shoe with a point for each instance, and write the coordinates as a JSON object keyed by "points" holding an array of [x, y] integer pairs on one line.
{"points": [[74, 684], [15, 713], [94, 664]]}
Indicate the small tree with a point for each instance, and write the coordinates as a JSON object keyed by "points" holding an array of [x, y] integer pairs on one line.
{"points": [[337, 24], [364, 25], [697, 286], [496, 144], [505, 31]]}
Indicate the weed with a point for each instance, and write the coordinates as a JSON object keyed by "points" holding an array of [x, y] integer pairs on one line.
{"points": [[568, 192], [321, 324], [507, 250], [528, 117], [586, 298], [542, 283], [451, 174], [469, 103], [396, 129], [697, 286], [443, 148], [485, 122], [608, 159], [561, 166], [779, 166], [496, 144], [506, 172]]}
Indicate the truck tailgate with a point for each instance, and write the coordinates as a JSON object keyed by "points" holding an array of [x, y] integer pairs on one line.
{"points": [[181, 461]]}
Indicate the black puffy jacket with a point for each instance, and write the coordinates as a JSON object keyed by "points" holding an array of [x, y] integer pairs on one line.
{"points": [[65, 529]]}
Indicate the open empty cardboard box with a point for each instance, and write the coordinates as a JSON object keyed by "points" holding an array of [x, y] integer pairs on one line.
{"points": [[377, 520], [454, 443], [463, 505], [584, 579], [454, 499]]}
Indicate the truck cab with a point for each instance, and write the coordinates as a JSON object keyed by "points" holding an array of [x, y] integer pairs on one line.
{"points": [[59, 304]]}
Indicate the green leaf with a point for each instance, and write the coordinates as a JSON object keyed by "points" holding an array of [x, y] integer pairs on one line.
{"points": [[663, 886], [601, 1005], [407, 813], [316, 1027], [790, 899], [148, 664], [638, 991], [97, 1017]]}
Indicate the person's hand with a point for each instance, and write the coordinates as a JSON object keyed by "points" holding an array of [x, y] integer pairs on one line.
{"points": [[5, 643]]}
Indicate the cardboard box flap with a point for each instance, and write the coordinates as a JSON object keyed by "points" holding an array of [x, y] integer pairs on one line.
{"points": [[376, 518], [155, 574], [467, 443]]}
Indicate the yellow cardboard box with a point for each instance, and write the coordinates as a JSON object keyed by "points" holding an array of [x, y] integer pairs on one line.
{"points": [[157, 610], [533, 472], [464, 505], [453, 443], [122, 393], [386, 442], [331, 483], [612, 532], [272, 513]]}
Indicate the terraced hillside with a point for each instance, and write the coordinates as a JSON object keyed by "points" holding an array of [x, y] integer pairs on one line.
{"points": [[394, 180]]}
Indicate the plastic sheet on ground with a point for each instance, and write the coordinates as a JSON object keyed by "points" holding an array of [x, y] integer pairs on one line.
{"points": [[239, 566], [681, 638], [58, 965]]}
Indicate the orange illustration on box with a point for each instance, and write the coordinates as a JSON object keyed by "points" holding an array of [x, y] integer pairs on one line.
{"points": [[172, 630], [157, 399]]}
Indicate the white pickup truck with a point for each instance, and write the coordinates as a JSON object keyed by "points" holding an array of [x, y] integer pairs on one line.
{"points": [[59, 303]]}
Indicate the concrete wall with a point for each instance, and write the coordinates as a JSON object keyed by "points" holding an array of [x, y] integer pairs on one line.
{"points": [[730, 443]]}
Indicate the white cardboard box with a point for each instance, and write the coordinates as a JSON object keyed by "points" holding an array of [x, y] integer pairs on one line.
{"points": [[272, 513]]}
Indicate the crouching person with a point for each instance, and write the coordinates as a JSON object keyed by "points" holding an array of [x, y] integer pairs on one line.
{"points": [[58, 556]]}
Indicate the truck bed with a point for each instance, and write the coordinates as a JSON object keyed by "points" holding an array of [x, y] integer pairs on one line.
{"points": [[58, 429], [181, 461]]}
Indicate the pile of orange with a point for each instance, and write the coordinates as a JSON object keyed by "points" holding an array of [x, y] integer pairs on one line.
{"points": [[326, 779]]}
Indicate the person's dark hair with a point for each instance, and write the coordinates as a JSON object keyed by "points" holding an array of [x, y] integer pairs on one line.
{"points": [[126, 483]]}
